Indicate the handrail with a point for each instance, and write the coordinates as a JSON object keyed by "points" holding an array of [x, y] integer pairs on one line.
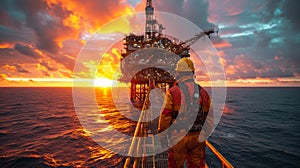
{"points": [[224, 161], [136, 132]]}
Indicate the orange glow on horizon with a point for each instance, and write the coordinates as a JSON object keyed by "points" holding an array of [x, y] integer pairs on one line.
{"points": [[103, 83]]}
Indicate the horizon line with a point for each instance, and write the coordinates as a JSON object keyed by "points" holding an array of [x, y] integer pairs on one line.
{"points": [[280, 86]]}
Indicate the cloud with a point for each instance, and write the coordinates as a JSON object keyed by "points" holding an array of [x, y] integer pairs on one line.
{"points": [[12, 35], [88, 15], [5, 16], [72, 47], [27, 50], [133, 2], [245, 66], [6, 45], [21, 69], [290, 10], [258, 39], [63, 59], [47, 27], [47, 65], [53, 28], [195, 11], [45, 73], [109, 65], [16, 68], [258, 31], [172, 6], [220, 43], [66, 74], [3, 77]]}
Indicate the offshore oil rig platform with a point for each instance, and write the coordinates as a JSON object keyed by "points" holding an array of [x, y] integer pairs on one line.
{"points": [[148, 61], [152, 49]]}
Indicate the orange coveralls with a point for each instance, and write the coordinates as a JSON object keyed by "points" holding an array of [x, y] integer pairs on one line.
{"points": [[189, 148]]}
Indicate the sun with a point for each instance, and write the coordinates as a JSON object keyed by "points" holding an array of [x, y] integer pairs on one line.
{"points": [[103, 82]]}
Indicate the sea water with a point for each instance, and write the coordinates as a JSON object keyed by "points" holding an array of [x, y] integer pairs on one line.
{"points": [[39, 127]]}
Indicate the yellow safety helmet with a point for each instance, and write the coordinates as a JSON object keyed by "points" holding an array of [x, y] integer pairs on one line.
{"points": [[185, 65]]}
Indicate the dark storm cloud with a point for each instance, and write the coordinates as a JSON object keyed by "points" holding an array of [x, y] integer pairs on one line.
{"points": [[12, 35], [9, 16], [26, 50], [195, 11], [12, 24], [42, 28], [264, 39], [264, 32], [291, 12], [46, 23], [7, 20], [45, 26], [172, 6], [16, 13]]}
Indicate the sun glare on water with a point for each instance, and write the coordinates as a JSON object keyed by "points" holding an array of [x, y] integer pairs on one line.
{"points": [[103, 82]]}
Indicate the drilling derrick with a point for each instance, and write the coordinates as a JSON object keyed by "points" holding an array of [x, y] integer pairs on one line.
{"points": [[149, 60], [153, 28]]}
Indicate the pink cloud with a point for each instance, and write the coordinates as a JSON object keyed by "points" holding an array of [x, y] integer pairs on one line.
{"points": [[221, 43], [225, 11]]}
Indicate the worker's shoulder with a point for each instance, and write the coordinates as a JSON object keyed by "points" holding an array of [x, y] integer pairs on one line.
{"points": [[174, 89]]}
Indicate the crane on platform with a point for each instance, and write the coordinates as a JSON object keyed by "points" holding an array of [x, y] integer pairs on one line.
{"points": [[194, 39], [185, 45]]}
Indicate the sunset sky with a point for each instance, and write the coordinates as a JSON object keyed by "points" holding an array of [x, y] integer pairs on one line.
{"points": [[258, 44]]}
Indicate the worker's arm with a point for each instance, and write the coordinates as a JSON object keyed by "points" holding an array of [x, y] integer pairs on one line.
{"points": [[209, 122], [165, 118]]}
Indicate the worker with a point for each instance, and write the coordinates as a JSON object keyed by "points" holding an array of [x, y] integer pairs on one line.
{"points": [[178, 101]]}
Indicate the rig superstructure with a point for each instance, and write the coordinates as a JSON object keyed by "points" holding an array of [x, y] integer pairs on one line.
{"points": [[148, 59]]}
